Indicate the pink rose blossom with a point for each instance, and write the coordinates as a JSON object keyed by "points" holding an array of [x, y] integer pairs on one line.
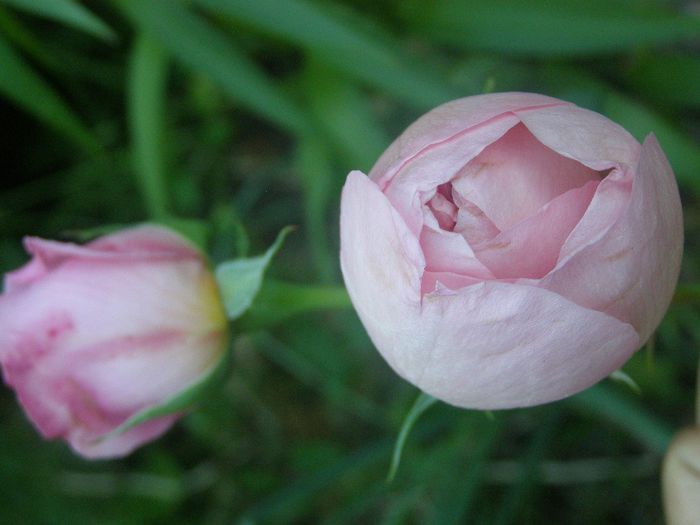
{"points": [[90, 335], [511, 249]]}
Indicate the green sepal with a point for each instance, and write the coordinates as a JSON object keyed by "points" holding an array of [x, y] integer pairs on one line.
{"points": [[193, 230], [183, 400], [422, 403], [622, 377], [240, 280]]}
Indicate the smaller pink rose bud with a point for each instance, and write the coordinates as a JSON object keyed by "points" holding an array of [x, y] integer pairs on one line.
{"points": [[92, 335]]}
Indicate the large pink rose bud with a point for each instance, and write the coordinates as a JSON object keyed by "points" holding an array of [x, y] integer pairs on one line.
{"points": [[511, 249], [92, 335]]}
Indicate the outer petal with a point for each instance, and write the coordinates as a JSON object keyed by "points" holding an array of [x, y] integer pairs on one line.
{"points": [[378, 257], [498, 345], [446, 121], [582, 135], [610, 201], [146, 242], [437, 165], [450, 252], [489, 346], [631, 271], [515, 176]]}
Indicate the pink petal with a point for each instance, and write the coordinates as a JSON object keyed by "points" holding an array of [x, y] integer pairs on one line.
{"points": [[631, 271], [516, 175], [381, 263], [445, 282], [531, 247], [582, 135], [497, 345], [450, 252], [437, 165], [609, 202], [147, 242], [444, 210], [473, 224], [448, 120]]}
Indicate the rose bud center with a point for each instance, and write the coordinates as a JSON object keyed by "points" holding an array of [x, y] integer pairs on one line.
{"points": [[505, 215]]}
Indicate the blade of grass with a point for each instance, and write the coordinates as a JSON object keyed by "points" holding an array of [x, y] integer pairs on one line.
{"points": [[147, 86], [27, 89], [543, 28], [313, 164], [666, 78], [457, 493], [284, 506], [516, 496], [338, 44], [601, 400], [66, 12], [279, 300], [358, 506], [330, 388], [683, 153], [20, 36], [423, 402], [402, 506], [343, 112], [639, 120], [204, 49]]}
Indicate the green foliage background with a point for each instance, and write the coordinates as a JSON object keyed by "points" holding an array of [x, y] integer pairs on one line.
{"points": [[232, 118]]}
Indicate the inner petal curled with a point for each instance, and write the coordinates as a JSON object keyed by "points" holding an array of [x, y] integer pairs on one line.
{"points": [[515, 176], [505, 215]]}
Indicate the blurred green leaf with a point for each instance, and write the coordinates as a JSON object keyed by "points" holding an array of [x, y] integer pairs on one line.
{"points": [[683, 153], [239, 280], [547, 28], [337, 44], [577, 86], [195, 230], [283, 506], [343, 112], [203, 48], [329, 387], [666, 79], [66, 12], [146, 112], [17, 32], [313, 164], [22, 85], [457, 493], [511, 503], [626, 413]]}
